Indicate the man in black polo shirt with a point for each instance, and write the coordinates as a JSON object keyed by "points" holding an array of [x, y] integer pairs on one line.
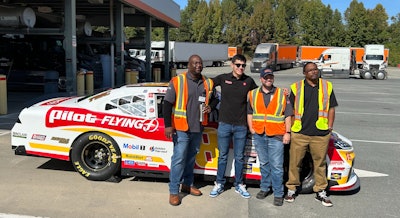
{"points": [[314, 105], [233, 123]]}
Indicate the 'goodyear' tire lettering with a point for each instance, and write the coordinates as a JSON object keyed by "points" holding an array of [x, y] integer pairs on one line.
{"points": [[96, 156]]}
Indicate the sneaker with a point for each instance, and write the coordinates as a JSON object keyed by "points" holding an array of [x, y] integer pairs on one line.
{"points": [[241, 189], [321, 196], [262, 194], [278, 201], [290, 196], [218, 189]]}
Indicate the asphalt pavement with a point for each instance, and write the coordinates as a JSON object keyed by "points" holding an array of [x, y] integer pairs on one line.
{"points": [[367, 114]]}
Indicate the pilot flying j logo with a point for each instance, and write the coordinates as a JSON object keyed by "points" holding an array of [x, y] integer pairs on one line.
{"points": [[61, 116]]}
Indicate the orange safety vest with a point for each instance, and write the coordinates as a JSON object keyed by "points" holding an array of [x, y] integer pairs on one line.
{"points": [[271, 119], [324, 93], [179, 114]]}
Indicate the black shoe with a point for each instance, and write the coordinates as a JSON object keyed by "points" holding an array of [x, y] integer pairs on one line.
{"points": [[290, 196], [323, 198], [262, 194], [278, 201]]}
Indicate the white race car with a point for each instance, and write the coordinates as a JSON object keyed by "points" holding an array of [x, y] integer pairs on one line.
{"points": [[120, 132]]}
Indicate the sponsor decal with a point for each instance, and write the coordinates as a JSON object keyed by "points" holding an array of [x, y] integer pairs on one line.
{"points": [[39, 137], [63, 116], [158, 149], [129, 162], [55, 101], [153, 165], [135, 157], [228, 82], [335, 163], [338, 169], [134, 147], [151, 110], [248, 168], [100, 95], [60, 140], [149, 158], [142, 164], [336, 176], [348, 157], [19, 135]]}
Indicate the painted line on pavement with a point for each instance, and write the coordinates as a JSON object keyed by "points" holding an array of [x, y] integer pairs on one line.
{"points": [[381, 102], [8, 215], [365, 173], [378, 142], [375, 114], [4, 133]]}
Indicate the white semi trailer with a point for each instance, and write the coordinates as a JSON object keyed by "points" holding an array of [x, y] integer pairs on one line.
{"points": [[179, 53]]}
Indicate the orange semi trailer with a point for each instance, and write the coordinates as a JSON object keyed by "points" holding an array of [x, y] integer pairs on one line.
{"points": [[232, 51], [308, 53]]}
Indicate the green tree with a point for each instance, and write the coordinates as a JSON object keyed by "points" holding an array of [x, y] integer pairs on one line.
{"points": [[377, 25], [185, 30], [356, 24], [337, 34], [260, 23], [281, 28], [312, 22], [201, 23], [393, 42], [216, 23]]}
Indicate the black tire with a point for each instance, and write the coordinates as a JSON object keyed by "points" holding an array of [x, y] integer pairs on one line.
{"points": [[96, 156], [380, 75], [307, 175]]}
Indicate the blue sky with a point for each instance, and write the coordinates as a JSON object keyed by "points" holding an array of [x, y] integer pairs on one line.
{"points": [[392, 7]]}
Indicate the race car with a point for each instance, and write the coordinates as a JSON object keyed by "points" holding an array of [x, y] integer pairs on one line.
{"points": [[120, 132]]}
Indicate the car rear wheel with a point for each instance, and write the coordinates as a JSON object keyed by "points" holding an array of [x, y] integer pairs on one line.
{"points": [[96, 156], [307, 175]]}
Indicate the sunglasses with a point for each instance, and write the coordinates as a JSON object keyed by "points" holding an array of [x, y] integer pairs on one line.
{"points": [[238, 65]]}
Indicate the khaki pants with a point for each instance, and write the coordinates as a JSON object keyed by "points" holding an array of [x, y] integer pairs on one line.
{"points": [[318, 146]]}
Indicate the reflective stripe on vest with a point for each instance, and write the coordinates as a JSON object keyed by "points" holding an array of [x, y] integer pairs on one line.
{"points": [[179, 112], [268, 119], [324, 91]]}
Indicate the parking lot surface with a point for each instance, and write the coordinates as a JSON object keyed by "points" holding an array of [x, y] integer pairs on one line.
{"points": [[368, 114]]}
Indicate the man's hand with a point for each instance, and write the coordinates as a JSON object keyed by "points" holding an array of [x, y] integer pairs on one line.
{"points": [[286, 138], [207, 109], [169, 131]]}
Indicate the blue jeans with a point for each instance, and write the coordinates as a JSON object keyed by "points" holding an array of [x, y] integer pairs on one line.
{"points": [[186, 146], [238, 134], [270, 154]]}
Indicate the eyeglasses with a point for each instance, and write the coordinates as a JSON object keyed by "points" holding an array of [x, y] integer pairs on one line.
{"points": [[311, 70], [238, 65]]}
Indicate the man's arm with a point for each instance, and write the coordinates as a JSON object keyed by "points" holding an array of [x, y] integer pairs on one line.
{"points": [[331, 118]]}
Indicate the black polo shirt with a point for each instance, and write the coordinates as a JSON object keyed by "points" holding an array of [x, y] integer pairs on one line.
{"points": [[233, 107], [310, 115]]}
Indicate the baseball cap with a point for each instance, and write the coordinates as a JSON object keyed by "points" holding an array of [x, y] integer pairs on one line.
{"points": [[266, 71]]}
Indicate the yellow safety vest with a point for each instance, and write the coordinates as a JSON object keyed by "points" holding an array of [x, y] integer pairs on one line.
{"points": [[324, 93]]}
